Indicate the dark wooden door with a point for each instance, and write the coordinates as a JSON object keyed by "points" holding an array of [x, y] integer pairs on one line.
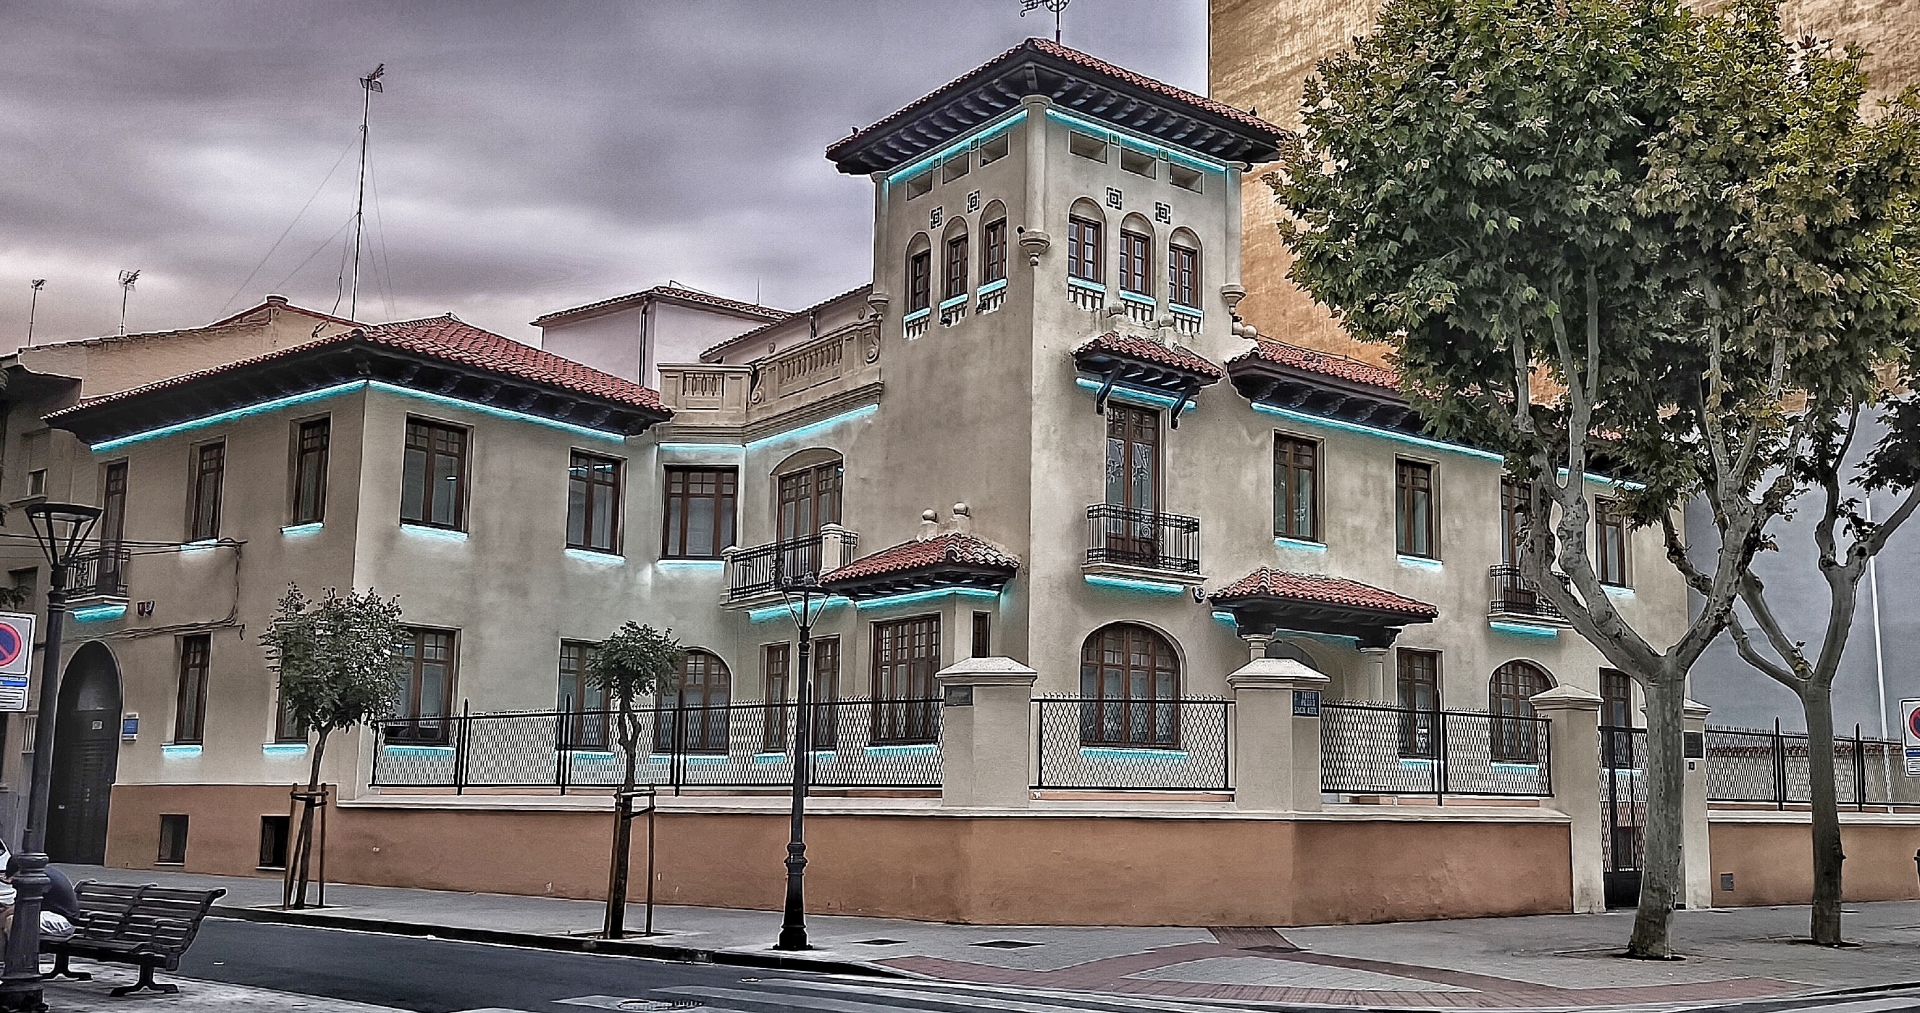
{"points": [[86, 754]]}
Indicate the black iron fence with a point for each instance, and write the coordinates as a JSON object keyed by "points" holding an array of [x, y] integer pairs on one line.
{"points": [[1367, 749], [766, 567], [103, 572], [1749, 765], [1124, 536], [1133, 745], [1515, 595], [856, 743]]}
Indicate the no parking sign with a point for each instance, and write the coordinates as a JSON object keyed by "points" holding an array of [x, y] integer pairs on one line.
{"points": [[16, 656], [1910, 731]]}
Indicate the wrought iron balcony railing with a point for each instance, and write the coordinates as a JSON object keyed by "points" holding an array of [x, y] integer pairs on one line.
{"points": [[101, 574], [764, 568], [1515, 595], [1123, 536]]}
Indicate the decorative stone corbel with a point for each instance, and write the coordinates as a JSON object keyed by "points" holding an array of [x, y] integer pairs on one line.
{"points": [[1035, 243], [1232, 294]]}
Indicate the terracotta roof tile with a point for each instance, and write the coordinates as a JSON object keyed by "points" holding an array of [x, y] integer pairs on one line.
{"points": [[1325, 363], [952, 547], [1268, 582], [1149, 350], [446, 339]]}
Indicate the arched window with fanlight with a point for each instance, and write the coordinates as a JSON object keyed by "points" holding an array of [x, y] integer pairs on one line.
{"points": [[1129, 688], [1516, 736], [692, 718]]}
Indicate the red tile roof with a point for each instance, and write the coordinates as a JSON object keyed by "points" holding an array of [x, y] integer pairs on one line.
{"points": [[1268, 582], [952, 547], [676, 292], [448, 340], [1115, 343], [1325, 363]]}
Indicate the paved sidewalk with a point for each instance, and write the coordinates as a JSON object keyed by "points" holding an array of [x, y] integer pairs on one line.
{"points": [[1539, 961], [92, 997]]}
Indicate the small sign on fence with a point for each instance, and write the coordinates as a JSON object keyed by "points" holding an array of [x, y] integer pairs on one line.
{"points": [[1910, 732], [1306, 703]]}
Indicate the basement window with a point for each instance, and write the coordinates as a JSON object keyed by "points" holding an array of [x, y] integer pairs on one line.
{"points": [[956, 166], [1183, 177], [1087, 145], [993, 150], [920, 185], [274, 832], [173, 840], [1139, 163]]}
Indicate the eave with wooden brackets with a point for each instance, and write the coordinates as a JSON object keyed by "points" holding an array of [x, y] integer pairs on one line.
{"points": [[1145, 365]]}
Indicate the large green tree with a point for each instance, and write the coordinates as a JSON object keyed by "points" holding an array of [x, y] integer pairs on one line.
{"points": [[1476, 185]]}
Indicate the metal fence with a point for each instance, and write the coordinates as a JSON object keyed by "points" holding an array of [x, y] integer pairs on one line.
{"points": [[1748, 765], [1134, 745], [1367, 749], [766, 567], [856, 743]]}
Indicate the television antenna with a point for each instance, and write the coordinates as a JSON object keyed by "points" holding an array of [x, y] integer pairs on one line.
{"points": [[127, 278], [1056, 6], [33, 306], [368, 85]]}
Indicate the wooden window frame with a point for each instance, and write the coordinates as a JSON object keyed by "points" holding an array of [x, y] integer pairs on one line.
{"points": [[576, 460], [726, 504], [1610, 517], [431, 429], [919, 280], [1085, 250], [412, 725], [1183, 291], [1152, 722], [1403, 502], [993, 252], [204, 502], [1413, 669], [1286, 448], [285, 728], [586, 720], [1136, 263], [825, 697], [777, 673], [982, 646], [904, 711], [113, 526], [1513, 504], [712, 720], [1511, 739], [168, 823], [953, 268], [309, 461], [195, 668]]}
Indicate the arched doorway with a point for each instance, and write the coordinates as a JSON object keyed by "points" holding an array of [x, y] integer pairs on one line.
{"points": [[86, 751]]}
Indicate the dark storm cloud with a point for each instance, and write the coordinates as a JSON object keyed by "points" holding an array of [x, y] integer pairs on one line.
{"points": [[526, 157]]}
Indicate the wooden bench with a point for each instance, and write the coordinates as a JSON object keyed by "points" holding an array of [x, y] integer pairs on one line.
{"points": [[149, 926]]}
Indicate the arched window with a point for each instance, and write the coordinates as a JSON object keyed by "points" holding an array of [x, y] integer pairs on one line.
{"points": [[806, 496], [1516, 736], [698, 708], [1129, 688], [993, 243], [919, 273], [1086, 248], [1183, 270], [1136, 256], [953, 260]]}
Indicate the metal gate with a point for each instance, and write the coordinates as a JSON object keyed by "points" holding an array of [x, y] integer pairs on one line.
{"points": [[1623, 811]]}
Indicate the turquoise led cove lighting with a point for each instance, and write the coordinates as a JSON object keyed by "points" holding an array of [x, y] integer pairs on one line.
{"points": [[927, 595], [228, 416], [98, 613], [1131, 584], [815, 427], [1522, 629]]}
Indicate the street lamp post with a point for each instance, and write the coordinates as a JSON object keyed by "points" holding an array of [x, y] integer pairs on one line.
{"points": [[805, 599], [62, 530]]}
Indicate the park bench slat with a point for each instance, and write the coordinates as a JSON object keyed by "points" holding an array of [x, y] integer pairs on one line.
{"points": [[150, 926]]}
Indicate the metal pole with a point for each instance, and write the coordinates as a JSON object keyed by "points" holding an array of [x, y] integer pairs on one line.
{"points": [[653, 806], [20, 987], [793, 927]]}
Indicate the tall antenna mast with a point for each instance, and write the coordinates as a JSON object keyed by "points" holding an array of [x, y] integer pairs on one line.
{"points": [[368, 85], [127, 278], [33, 307], [1056, 6]]}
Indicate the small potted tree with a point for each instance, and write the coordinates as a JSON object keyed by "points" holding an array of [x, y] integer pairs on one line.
{"points": [[341, 664], [635, 663]]}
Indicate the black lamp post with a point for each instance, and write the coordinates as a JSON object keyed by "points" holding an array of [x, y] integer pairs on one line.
{"points": [[805, 599], [62, 530]]}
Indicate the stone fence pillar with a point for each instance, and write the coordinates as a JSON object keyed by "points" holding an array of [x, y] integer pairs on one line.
{"points": [[1574, 745], [834, 552], [986, 737], [1276, 735], [1696, 854]]}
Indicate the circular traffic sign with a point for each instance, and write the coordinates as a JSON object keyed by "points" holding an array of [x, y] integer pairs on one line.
{"points": [[11, 643], [1913, 722]]}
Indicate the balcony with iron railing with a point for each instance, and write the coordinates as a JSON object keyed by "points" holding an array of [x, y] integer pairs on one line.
{"points": [[756, 575], [1125, 542], [1517, 599], [842, 365], [98, 578]]}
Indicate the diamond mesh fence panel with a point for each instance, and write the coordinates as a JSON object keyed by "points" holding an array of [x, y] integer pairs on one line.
{"points": [[1168, 745], [1366, 749], [1747, 765]]}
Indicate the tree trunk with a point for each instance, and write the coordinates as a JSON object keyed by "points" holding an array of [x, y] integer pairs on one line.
{"points": [[1666, 787], [622, 858], [303, 849], [1816, 701]]}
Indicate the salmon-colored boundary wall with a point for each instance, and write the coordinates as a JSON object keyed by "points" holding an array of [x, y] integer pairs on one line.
{"points": [[1772, 861], [982, 869]]}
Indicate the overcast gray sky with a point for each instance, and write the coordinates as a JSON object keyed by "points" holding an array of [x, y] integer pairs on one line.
{"points": [[526, 156]]}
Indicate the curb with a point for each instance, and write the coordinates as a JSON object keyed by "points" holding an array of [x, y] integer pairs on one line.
{"points": [[563, 944]]}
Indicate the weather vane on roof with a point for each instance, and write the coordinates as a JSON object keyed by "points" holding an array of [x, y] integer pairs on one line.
{"points": [[1056, 6]]}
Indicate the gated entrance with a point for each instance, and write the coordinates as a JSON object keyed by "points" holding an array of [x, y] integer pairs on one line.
{"points": [[86, 751], [1623, 811]]}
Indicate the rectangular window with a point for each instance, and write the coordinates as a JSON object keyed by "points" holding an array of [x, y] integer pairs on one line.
{"points": [[427, 699], [809, 499], [37, 482], [190, 702], [273, 842], [1616, 720], [1610, 534], [1083, 249], [286, 725], [593, 503], [699, 512], [993, 267], [983, 634], [906, 653], [956, 268], [1513, 519], [111, 577], [956, 166], [994, 150], [1413, 509], [209, 474], [1133, 457], [583, 702], [1183, 177], [919, 281], [1136, 263], [173, 840], [1138, 162], [774, 660], [1183, 276], [1087, 146], [35, 448], [1418, 676], [1296, 486], [826, 694], [310, 442], [433, 483]]}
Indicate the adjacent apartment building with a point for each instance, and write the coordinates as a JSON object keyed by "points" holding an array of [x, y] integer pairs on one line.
{"points": [[1122, 590]]}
